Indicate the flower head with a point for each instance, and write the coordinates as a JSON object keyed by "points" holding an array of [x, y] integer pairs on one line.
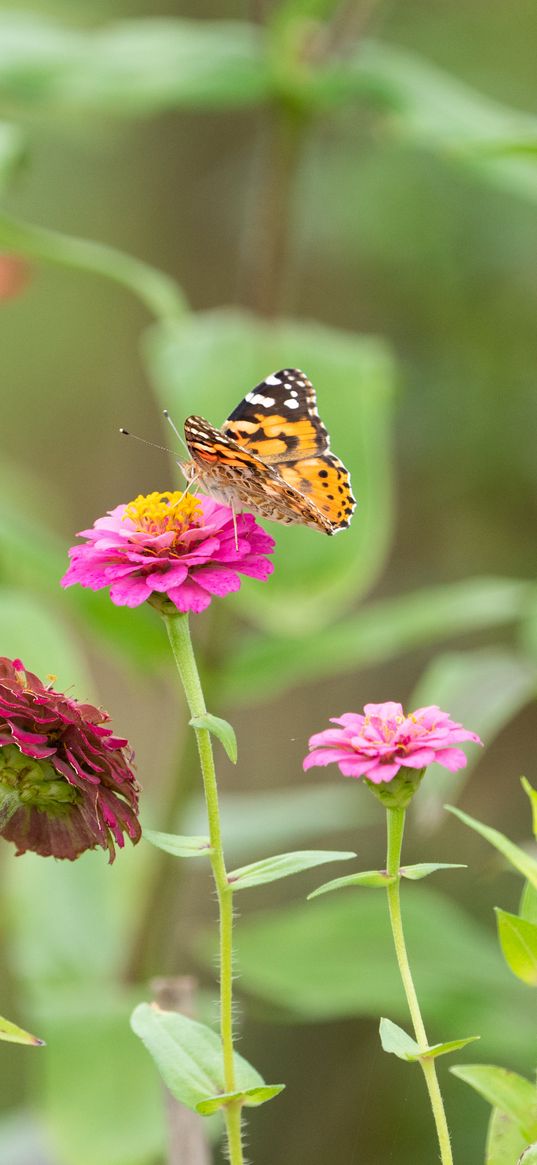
{"points": [[66, 782], [377, 744], [170, 545]]}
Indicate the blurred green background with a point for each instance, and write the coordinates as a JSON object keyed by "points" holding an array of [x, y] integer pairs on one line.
{"points": [[350, 188]]}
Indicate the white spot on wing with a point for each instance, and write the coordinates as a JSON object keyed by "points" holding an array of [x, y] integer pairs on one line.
{"points": [[255, 398], [270, 380], [291, 404]]}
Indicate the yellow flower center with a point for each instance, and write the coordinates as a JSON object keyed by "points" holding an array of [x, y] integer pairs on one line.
{"points": [[158, 513]]}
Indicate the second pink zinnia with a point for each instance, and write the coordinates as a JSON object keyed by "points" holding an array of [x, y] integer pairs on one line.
{"points": [[378, 743]]}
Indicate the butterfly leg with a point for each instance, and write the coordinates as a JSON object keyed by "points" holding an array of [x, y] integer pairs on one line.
{"points": [[235, 526]]}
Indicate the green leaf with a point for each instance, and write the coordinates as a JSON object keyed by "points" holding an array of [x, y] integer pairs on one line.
{"points": [[518, 858], [179, 846], [354, 376], [16, 1035], [381, 631], [251, 1097], [426, 107], [132, 67], [532, 794], [518, 940], [399, 1043], [372, 878], [504, 1140], [221, 729], [188, 1056], [423, 869], [282, 865], [377, 878], [483, 689], [528, 903], [508, 1091]]}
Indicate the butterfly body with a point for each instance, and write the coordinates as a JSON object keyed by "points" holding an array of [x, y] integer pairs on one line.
{"points": [[272, 456]]}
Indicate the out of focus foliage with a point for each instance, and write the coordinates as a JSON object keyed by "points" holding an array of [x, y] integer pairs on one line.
{"points": [[340, 186]]}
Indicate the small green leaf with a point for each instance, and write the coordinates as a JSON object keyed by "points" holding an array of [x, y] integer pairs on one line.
{"points": [[521, 861], [423, 869], [532, 794], [189, 1058], [221, 729], [399, 1043], [505, 1090], [518, 940], [180, 847], [16, 1035], [251, 1097], [282, 865], [504, 1140], [373, 878], [528, 903]]}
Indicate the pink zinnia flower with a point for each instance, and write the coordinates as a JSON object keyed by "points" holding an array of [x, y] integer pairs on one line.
{"points": [[170, 545], [382, 740], [66, 782]]}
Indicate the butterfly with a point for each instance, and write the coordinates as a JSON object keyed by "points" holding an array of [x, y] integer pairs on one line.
{"points": [[272, 457]]}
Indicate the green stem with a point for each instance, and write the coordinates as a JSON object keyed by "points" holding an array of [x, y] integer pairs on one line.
{"points": [[396, 825], [181, 643], [160, 294]]}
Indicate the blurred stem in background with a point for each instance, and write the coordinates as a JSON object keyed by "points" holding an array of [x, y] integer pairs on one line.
{"points": [[265, 247], [396, 825], [160, 294], [178, 630]]}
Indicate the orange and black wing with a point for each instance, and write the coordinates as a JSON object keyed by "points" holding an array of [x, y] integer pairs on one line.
{"points": [[278, 420]]}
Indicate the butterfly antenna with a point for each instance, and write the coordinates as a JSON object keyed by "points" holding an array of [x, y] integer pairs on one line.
{"points": [[176, 430], [153, 444]]}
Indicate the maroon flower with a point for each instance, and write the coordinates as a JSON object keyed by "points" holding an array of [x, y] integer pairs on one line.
{"points": [[66, 782]]}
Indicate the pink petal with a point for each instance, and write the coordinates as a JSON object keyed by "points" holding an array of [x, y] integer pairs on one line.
{"points": [[451, 758], [386, 711], [218, 580], [324, 756], [129, 592], [189, 597], [329, 736], [381, 773], [417, 758]]}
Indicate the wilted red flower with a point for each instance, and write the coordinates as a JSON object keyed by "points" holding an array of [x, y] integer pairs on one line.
{"points": [[170, 546], [378, 743], [66, 782]]}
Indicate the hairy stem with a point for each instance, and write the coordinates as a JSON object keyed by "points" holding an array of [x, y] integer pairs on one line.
{"points": [[181, 643], [396, 825]]}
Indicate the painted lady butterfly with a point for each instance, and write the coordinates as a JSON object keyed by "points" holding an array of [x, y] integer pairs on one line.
{"points": [[272, 456]]}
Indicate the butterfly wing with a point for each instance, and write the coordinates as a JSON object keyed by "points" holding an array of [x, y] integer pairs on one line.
{"points": [[272, 455], [230, 472], [278, 420], [326, 483]]}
